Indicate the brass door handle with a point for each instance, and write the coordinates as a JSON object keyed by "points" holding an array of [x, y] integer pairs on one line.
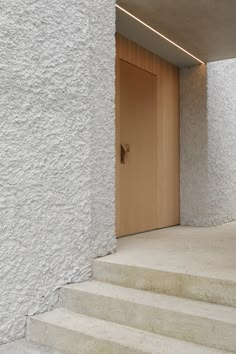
{"points": [[124, 148]]}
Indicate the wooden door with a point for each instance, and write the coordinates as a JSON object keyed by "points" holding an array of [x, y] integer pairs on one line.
{"points": [[138, 133], [147, 140]]}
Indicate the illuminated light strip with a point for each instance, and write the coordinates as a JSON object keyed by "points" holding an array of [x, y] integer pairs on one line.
{"points": [[159, 34]]}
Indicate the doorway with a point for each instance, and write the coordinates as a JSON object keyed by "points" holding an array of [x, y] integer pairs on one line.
{"points": [[147, 140]]}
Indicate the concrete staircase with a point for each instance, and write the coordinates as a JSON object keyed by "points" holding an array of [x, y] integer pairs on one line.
{"points": [[128, 309]]}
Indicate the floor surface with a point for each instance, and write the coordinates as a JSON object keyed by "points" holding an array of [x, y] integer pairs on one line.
{"points": [[193, 250]]}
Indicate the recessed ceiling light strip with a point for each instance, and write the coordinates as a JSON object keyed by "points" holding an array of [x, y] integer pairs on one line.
{"points": [[158, 33]]}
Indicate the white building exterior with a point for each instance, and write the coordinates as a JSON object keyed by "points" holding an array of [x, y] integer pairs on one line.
{"points": [[57, 153]]}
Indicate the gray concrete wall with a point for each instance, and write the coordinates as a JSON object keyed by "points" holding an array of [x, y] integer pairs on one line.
{"points": [[193, 146], [221, 86], [56, 150], [208, 144]]}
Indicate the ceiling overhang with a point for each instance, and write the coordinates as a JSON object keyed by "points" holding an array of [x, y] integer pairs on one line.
{"points": [[205, 29]]}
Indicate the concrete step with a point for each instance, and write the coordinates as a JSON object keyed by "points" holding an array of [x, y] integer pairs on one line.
{"points": [[185, 285], [194, 321], [25, 347], [73, 333]]}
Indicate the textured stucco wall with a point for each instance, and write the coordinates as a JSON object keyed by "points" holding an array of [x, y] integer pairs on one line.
{"points": [[102, 88], [208, 143], [56, 99], [193, 146], [221, 86]]}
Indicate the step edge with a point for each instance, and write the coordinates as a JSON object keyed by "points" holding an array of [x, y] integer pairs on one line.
{"points": [[197, 303], [143, 266], [180, 342]]}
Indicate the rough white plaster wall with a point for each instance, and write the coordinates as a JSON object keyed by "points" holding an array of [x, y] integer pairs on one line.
{"points": [[208, 144], [193, 146], [102, 72], [221, 86], [50, 179]]}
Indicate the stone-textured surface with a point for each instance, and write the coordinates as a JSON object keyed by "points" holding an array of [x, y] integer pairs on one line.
{"points": [[221, 84], [25, 347], [181, 261], [102, 88], [208, 144], [71, 332], [103, 317], [193, 146], [193, 321], [51, 185]]}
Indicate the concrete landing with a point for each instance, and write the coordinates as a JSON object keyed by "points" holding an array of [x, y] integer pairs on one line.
{"points": [[188, 262], [209, 252]]}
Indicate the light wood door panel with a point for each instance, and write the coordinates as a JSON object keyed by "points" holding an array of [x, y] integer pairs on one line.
{"points": [[138, 129], [143, 78], [168, 173]]}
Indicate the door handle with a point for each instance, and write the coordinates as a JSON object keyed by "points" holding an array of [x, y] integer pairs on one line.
{"points": [[124, 148]]}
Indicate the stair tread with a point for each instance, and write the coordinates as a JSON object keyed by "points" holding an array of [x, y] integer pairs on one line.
{"points": [[23, 346], [172, 303], [212, 289], [116, 259], [129, 337]]}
